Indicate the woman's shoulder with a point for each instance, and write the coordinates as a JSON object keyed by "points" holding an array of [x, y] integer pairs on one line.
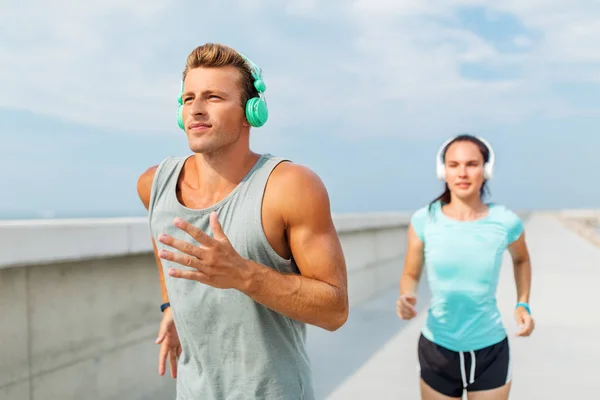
{"points": [[511, 221], [502, 212], [425, 211], [420, 218]]}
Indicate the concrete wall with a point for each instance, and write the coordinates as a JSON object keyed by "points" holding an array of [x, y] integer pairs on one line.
{"points": [[80, 302]]}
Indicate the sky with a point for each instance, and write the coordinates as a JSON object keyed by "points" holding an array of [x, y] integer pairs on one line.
{"points": [[363, 92]]}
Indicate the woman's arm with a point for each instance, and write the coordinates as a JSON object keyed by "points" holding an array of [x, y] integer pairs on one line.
{"points": [[409, 281], [413, 263], [522, 268], [522, 271]]}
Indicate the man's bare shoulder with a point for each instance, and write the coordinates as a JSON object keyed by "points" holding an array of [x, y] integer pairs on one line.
{"points": [[144, 185], [291, 176], [297, 189]]}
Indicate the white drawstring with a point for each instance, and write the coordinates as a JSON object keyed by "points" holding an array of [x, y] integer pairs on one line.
{"points": [[472, 367], [463, 373], [462, 368]]}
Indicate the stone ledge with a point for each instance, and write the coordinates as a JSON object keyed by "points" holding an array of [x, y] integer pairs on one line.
{"points": [[27, 242]]}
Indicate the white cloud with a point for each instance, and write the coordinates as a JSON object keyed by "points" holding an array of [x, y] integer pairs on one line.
{"points": [[82, 61], [415, 50], [301, 6], [385, 67], [522, 41]]}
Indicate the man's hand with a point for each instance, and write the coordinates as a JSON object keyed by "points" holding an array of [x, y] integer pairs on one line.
{"points": [[215, 262], [169, 344], [524, 322]]}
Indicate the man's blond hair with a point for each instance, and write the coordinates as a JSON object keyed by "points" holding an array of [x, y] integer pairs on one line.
{"points": [[213, 55]]}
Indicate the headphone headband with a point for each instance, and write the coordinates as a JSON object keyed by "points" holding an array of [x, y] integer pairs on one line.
{"points": [[488, 166], [255, 70], [492, 156]]}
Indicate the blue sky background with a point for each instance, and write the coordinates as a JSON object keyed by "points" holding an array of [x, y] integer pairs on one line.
{"points": [[363, 92]]}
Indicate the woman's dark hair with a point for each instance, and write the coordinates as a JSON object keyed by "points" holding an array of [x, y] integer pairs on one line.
{"points": [[445, 196]]}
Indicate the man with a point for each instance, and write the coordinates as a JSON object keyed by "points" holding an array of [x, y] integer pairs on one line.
{"points": [[247, 244]]}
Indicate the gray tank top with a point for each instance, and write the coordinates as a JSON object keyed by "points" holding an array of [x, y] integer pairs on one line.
{"points": [[233, 347]]}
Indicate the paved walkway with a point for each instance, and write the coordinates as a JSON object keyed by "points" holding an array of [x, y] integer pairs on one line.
{"points": [[561, 360]]}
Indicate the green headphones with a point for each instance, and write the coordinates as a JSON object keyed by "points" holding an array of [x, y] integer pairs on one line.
{"points": [[256, 107]]}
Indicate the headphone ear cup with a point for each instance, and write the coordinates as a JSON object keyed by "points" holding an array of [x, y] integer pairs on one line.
{"points": [[257, 112], [180, 117], [180, 111], [487, 171], [440, 171]]}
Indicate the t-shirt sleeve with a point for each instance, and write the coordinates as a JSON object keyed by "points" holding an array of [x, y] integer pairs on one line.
{"points": [[514, 227], [418, 220]]}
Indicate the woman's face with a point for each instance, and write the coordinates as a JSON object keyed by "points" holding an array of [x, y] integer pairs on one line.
{"points": [[464, 169]]}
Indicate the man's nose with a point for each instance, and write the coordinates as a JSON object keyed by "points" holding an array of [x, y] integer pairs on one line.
{"points": [[198, 107]]}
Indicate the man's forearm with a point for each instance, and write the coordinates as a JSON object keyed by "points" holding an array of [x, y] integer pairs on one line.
{"points": [[522, 271], [163, 287], [298, 297], [161, 276]]}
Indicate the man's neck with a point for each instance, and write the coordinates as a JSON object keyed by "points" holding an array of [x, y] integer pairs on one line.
{"points": [[214, 175]]}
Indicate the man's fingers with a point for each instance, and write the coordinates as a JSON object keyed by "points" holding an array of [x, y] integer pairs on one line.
{"points": [[181, 245], [173, 363], [194, 232], [162, 358], [182, 259], [186, 274], [216, 226]]}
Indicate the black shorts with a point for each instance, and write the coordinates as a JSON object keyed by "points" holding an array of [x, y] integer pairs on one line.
{"points": [[450, 372]]}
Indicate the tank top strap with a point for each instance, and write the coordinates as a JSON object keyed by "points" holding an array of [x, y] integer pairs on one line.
{"points": [[254, 185], [165, 178]]}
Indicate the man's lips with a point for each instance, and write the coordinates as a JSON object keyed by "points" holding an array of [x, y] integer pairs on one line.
{"points": [[199, 125]]}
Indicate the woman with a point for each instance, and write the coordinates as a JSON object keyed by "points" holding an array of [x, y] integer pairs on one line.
{"points": [[461, 240]]}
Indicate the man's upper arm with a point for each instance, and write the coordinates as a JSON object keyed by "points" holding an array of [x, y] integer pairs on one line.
{"points": [[306, 213], [144, 189], [144, 185]]}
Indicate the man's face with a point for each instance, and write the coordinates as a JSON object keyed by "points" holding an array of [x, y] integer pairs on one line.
{"points": [[212, 111]]}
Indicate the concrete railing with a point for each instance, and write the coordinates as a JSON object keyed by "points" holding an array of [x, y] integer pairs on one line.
{"points": [[80, 302]]}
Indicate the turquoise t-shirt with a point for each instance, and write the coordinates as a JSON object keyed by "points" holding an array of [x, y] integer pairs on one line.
{"points": [[462, 261]]}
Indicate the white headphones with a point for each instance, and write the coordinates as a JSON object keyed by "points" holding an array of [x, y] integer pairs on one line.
{"points": [[488, 167]]}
